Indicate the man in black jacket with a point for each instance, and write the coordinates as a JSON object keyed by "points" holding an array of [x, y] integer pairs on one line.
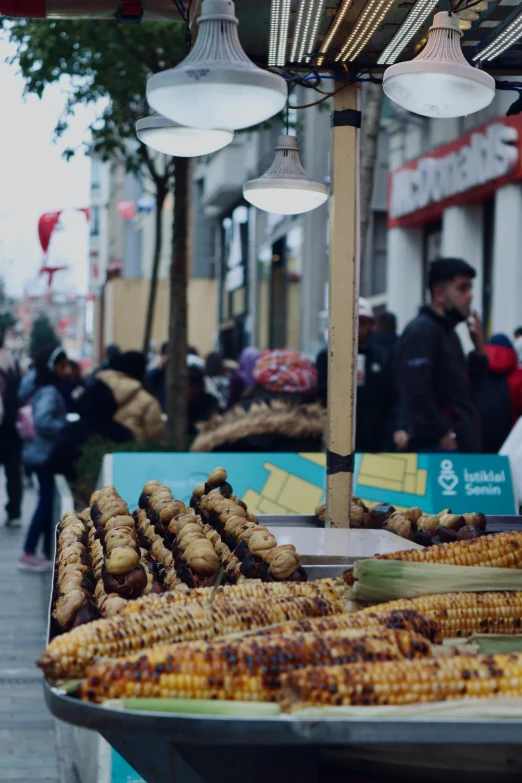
{"points": [[435, 380]]}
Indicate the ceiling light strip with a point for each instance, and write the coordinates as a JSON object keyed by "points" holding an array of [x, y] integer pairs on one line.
{"points": [[304, 37], [408, 29], [297, 30], [315, 27], [283, 32], [370, 19], [503, 41], [275, 7], [341, 13]]}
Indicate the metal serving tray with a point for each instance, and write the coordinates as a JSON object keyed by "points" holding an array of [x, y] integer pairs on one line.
{"points": [[216, 749]]}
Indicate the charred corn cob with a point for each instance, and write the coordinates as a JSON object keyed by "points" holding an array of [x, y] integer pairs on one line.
{"points": [[398, 619], [251, 588], [462, 614], [243, 670], [501, 550], [404, 682], [69, 654]]}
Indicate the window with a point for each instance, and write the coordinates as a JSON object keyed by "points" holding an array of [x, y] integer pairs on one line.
{"points": [[95, 221], [96, 173]]}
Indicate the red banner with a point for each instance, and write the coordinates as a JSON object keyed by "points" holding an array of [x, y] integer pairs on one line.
{"points": [[46, 226]]}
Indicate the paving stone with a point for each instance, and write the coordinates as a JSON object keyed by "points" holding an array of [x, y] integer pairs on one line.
{"points": [[28, 739]]}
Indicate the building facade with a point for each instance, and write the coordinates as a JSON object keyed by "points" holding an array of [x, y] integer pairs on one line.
{"points": [[121, 255], [455, 189]]}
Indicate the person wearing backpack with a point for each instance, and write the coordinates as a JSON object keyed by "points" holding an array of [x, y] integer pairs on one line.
{"points": [[10, 443], [499, 399], [49, 419]]}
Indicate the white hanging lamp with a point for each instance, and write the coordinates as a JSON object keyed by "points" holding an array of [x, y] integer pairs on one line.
{"points": [[285, 188], [169, 137], [439, 82], [216, 85]]}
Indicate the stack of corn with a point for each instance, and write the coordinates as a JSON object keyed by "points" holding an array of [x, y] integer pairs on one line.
{"points": [[249, 669], [331, 589], [67, 656], [378, 618], [404, 682], [501, 550], [459, 615]]}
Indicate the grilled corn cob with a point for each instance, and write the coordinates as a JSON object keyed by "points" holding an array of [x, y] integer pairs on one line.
{"points": [[404, 682], [399, 619], [243, 670], [462, 614], [69, 654], [502, 550], [251, 588]]}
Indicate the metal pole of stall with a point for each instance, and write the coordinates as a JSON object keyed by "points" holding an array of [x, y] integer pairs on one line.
{"points": [[343, 306]]}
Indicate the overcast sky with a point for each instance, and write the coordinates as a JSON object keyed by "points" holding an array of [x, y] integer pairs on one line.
{"points": [[34, 178]]}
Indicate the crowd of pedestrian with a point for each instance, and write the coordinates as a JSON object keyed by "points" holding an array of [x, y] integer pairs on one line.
{"points": [[417, 391]]}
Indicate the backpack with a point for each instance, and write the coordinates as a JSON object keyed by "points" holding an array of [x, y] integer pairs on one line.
{"points": [[25, 423]]}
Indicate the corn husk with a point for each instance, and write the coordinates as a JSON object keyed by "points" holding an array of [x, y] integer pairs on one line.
{"points": [[493, 643], [503, 708], [386, 580]]}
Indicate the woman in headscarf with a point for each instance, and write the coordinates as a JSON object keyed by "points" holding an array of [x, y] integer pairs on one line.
{"points": [[243, 379], [49, 419], [278, 413]]}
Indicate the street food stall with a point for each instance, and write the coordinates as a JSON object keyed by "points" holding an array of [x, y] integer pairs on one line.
{"points": [[192, 639]]}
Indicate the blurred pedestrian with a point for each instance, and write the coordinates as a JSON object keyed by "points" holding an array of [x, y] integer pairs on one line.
{"points": [[243, 378], [201, 405], [376, 410], [499, 398], [72, 386], [111, 352], [49, 419], [157, 377], [278, 413], [194, 359], [96, 409], [385, 332], [10, 443], [217, 381], [518, 345], [137, 409], [436, 381]]}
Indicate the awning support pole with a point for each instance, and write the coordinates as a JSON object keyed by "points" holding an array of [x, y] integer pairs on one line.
{"points": [[342, 306]]}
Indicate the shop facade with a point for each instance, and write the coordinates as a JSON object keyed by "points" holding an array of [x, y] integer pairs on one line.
{"points": [[460, 198]]}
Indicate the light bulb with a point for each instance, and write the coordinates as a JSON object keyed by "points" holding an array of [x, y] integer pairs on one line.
{"points": [[285, 189], [166, 136], [216, 85], [439, 82]]}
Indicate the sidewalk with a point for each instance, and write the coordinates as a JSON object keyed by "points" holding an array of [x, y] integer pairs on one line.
{"points": [[28, 736]]}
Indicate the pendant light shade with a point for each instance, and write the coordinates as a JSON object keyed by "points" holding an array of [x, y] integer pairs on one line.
{"points": [[166, 136], [439, 82], [285, 188], [216, 85]]}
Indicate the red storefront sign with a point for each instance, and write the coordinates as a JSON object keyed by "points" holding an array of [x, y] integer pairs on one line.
{"points": [[463, 171]]}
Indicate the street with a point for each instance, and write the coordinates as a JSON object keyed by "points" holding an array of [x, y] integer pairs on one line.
{"points": [[28, 732]]}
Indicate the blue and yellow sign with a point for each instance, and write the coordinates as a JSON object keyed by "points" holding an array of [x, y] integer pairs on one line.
{"points": [[295, 483]]}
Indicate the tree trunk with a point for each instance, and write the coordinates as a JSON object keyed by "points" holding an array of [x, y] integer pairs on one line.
{"points": [[161, 192], [177, 376], [370, 126]]}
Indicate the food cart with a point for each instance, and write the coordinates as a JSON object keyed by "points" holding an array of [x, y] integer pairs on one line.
{"points": [[352, 41]]}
